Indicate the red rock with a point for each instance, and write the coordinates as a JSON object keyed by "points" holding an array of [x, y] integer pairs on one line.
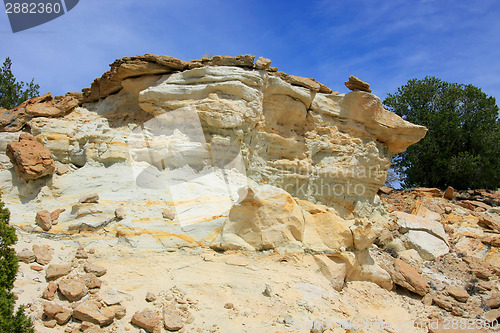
{"points": [[43, 254], [146, 319], [30, 158], [50, 292], [43, 220], [56, 271], [55, 214], [51, 309], [73, 289], [89, 311]]}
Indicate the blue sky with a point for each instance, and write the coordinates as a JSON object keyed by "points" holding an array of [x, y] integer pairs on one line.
{"points": [[385, 43]]}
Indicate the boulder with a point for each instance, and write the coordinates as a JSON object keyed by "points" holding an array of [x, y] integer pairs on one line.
{"points": [[449, 193], [27, 256], [460, 294], [43, 220], [43, 254], [73, 289], [55, 271], [146, 319], [409, 278], [94, 269], [172, 319], [51, 309], [91, 281], [407, 222], [428, 246], [31, 159], [50, 292], [90, 311], [356, 84], [262, 63]]}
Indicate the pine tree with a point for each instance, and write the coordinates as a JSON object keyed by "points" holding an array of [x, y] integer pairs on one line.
{"points": [[13, 93]]}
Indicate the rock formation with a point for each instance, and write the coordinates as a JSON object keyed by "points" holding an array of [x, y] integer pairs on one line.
{"points": [[240, 155]]}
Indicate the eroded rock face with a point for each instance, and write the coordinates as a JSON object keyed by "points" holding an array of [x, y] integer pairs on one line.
{"points": [[158, 132], [30, 158]]}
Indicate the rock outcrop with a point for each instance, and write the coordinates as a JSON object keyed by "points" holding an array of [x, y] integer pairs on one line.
{"points": [[223, 152]]}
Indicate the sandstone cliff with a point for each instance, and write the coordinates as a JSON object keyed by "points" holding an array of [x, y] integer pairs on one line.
{"points": [[240, 155]]}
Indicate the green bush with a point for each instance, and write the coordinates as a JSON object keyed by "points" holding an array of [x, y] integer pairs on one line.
{"points": [[9, 322], [461, 147]]}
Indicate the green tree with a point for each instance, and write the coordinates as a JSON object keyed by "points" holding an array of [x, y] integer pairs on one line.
{"points": [[13, 93], [10, 322], [461, 148]]}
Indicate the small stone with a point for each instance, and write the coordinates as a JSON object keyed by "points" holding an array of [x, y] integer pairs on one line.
{"points": [[81, 253], [262, 63], [43, 254], [43, 220], [63, 317], [73, 289], [168, 214], [146, 319], [120, 311], [62, 169], [91, 281], [51, 309], [460, 294], [443, 302], [36, 268], [50, 292], [269, 291], [172, 319], [150, 297], [89, 198], [91, 251], [27, 256], [50, 323], [356, 84], [493, 302], [120, 213], [229, 306], [492, 315], [54, 216], [95, 269], [55, 271], [111, 297], [385, 190]]}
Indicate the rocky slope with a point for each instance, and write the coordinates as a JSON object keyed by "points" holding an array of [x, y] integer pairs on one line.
{"points": [[203, 181]]}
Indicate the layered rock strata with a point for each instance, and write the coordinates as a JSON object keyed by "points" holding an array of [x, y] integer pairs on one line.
{"points": [[242, 156]]}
